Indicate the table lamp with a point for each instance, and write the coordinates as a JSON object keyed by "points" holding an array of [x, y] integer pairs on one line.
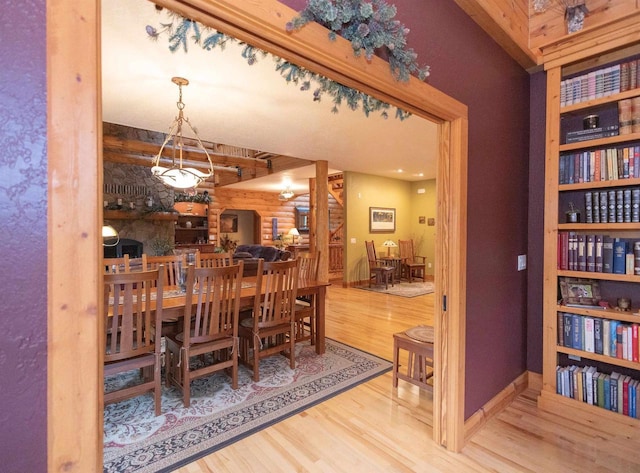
{"points": [[294, 233], [388, 245], [109, 233]]}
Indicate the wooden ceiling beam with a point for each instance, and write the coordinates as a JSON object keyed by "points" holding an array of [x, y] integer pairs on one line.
{"points": [[507, 22]]}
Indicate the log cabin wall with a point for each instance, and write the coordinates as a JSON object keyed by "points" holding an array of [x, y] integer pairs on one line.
{"points": [[268, 206]]}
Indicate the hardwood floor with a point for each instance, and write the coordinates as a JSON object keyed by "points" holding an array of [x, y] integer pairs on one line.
{"points": [[374, 428]]}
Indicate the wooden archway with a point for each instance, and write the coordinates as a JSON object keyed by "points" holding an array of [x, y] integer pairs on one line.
{"points": [[75, 215]]}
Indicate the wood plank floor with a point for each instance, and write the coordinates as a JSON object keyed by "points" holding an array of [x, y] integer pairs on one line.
{"points": [[374, 428]]}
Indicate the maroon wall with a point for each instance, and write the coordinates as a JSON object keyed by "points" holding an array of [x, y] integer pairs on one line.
{"points": [[536, 221], [469, 66], [23, 245]]}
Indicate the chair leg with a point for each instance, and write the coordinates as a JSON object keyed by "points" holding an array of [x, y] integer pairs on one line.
{"points": [[186, 381], [292, 348], [157, 391], [256, 359]]}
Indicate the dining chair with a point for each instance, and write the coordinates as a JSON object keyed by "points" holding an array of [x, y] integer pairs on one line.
{"points": [[271, 328], [377, 269], [412, 264], [174, 266], [208, 342], [215, 260], [116, 265], [308, 264], [132, 331]]}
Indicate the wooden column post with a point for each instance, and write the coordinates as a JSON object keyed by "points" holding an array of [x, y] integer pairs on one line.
{"points": [[320, 218]]}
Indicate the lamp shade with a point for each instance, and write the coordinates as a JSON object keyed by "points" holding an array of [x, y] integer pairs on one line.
{"points": [[294, 232], [388, 244], [108, 233]]}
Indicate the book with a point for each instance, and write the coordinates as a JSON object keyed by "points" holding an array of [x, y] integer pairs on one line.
{"points": [[577, 332], [593, 136], [607, 254], [607, 392], [598, 337], [582, 252], [567, 340], [589, 335], [613, 339], [606, 337], [588, 206], [591, 252], [615, 376], [619, 256], [598, 251]]}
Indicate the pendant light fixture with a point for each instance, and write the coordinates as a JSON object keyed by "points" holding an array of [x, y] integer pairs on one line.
{"points": [[178, 176]]}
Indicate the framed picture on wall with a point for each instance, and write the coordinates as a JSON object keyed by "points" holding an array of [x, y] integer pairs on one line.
{"points": [[382, 220], [228, 223]]}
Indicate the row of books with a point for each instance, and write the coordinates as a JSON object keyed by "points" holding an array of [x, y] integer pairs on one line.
{"points": [[600, 83], [605, 164], [593, 133], [615, 392], [629, 116], [601, 336], [598, 253], [612, 206]]}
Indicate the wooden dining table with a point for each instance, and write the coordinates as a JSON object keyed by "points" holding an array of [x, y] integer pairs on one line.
{"points": [[173, 303]]}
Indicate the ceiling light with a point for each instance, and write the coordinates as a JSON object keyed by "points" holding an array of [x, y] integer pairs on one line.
{"points": [[286, 194], [178, 176]]}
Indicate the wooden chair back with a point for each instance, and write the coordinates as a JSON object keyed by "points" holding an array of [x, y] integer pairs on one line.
{"points": [[308, 264], [130, 321], [132, 333], [116, 265], [212, 303], [280, 280], [405, 249], [215, 260], [371, 253], [174, 267]]}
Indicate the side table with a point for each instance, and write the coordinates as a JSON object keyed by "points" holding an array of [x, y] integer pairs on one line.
{"points": [[420, 357]]}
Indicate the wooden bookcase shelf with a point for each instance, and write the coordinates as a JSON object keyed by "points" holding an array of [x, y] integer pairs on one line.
{"points": [[557, 196]]}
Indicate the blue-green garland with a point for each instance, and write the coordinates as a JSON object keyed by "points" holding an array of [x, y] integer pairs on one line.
{"points": [[370, 27], [380, 28]]}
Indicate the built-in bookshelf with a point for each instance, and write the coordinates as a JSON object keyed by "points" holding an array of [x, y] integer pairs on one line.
{"points": [[591, 361]]}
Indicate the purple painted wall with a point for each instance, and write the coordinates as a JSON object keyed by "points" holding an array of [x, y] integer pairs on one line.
{"points": [[469, 66], [23, 248], [537, 102]]}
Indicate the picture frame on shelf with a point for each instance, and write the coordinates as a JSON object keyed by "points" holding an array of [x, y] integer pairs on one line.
{"points": [[382, 220], [577, 291]]}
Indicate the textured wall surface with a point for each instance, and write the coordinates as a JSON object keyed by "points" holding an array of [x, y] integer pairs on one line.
{"points": [[23, 248]]}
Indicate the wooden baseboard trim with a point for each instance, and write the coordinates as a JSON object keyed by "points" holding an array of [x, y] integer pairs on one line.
{"points": [[534, 381], [495, 405]]}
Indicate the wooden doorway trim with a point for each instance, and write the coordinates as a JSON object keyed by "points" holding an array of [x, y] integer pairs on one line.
{"points": [[74, 396]]}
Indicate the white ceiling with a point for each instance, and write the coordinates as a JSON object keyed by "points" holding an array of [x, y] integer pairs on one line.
{"points": [[231, 102]]}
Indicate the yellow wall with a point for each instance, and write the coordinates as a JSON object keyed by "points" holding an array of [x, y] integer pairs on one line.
{"points": [[364, 191]]}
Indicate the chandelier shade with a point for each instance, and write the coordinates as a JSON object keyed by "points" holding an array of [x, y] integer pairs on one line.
{"points": [[178, 176]]}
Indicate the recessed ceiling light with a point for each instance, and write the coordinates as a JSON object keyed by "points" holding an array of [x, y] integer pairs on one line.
{"points": [[400, 170]]}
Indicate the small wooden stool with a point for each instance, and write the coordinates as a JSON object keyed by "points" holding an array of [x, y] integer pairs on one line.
{"points": [[420, 351]]}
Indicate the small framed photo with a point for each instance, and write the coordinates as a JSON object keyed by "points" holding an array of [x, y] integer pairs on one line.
{"points": [[382, 220], [579, 291], [422, 220]]}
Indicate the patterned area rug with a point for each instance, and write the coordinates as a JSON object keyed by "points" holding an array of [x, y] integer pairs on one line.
{"points": [[403, 289], [137, 441]]}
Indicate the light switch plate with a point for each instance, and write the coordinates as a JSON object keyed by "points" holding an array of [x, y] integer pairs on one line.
{"points": [[522, 262]]}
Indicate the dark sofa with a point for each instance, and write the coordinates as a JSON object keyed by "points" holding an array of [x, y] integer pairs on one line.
{"points": [[250, 254]]}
